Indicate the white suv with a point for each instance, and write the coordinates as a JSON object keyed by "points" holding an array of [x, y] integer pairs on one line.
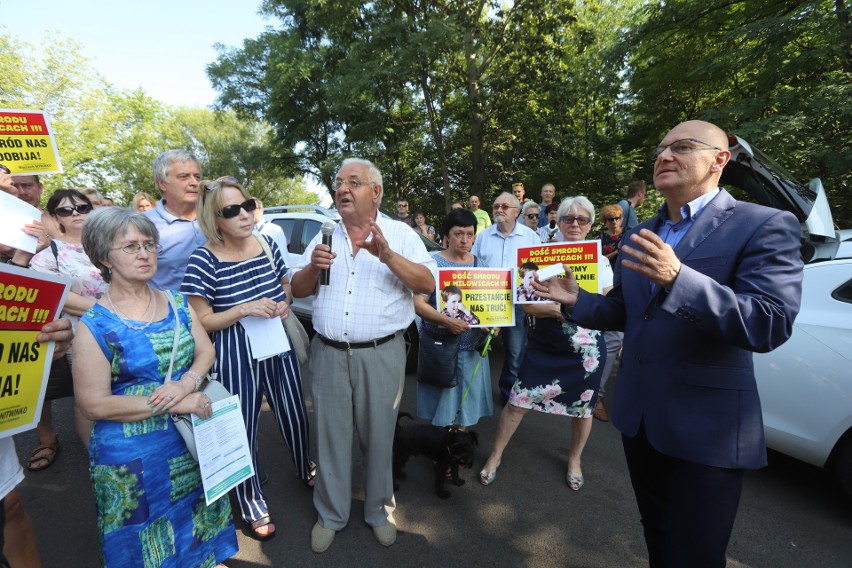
{"points": [[301, 223]]}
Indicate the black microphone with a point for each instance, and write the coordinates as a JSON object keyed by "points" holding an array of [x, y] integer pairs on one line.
{"points": [[327, 230], [551, 229]]}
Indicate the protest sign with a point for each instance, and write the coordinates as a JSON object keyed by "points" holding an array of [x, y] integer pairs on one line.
{"points": [[483, 295], [27, 145], [581, 256], [28, 300]]}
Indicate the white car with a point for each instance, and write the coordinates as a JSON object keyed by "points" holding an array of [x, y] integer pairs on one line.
{"points": [[805, 385]]}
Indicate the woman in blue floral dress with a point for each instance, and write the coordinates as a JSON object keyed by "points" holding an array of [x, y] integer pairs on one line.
{"points": [[148, 491], [563, 363]]}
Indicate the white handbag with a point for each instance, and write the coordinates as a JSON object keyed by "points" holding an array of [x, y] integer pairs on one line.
{"points": [[211, 387]]}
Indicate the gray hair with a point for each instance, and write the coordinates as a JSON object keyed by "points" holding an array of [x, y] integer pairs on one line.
{"points": [[511, 196], [530, 205], [375, 174], [578, 202], [104, 225], [166, 159]]}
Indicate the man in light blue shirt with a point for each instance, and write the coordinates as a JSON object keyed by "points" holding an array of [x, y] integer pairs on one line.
{"points": [[178, 177], [497, 247]]}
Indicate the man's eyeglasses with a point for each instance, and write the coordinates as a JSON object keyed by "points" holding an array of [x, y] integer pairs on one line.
{"points": [[231, 211], [502, 207], [682, 146], [351, 184], [134, 248], [569, 220], [533, 215], [611, 219], [68, 210]]}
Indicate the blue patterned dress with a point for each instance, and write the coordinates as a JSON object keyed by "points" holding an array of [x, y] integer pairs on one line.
{"points": [[148, 492]]}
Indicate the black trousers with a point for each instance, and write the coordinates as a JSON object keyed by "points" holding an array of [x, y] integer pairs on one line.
{"points": [[687, 509]]}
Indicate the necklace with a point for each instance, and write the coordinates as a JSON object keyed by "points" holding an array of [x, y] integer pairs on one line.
{"points": [[125, 320]]}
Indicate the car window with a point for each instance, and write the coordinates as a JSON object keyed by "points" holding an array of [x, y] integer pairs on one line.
{"points": [[844, 293], [309, 231], [287, 226]]}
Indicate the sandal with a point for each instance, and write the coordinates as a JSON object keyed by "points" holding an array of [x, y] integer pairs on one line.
{"points": [[575, 482], [312, 475], [262, 522], [50, 450]]}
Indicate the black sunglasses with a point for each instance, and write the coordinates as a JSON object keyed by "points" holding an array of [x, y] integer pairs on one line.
{"points": [[532, 215], [231, 211], [67, 211]]}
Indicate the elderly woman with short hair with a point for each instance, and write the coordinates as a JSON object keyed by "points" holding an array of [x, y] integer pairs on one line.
{"points": [[230, 278], [148, 491], [530, 213], [563, 363]]}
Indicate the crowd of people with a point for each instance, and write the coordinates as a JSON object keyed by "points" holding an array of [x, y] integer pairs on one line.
{"points": [[187, 268]]}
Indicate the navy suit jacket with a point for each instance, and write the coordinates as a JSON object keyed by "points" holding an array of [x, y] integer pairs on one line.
{"points": [[686, 367]]}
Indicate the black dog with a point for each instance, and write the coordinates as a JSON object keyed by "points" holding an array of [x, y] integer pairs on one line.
{"points": [[449, 448]]}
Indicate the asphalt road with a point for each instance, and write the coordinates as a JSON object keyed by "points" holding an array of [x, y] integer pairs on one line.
{"points": [[791, 514]]}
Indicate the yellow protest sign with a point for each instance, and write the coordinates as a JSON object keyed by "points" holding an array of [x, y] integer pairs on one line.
{"points": [[480, 296], [27, 145], [581, 256], [28, 300]]}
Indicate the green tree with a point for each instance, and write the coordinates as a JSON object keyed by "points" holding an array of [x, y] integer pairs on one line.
{"points": [[776, 73]]}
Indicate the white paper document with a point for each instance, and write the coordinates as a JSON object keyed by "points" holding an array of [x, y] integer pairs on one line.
{"points": [[16, 214], [224, 455], [266, 336]]}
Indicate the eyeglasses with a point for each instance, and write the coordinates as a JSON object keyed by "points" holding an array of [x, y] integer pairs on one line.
{"points": [[569, 220], [231, 211], [134, 248], [221, 182], [502, 207], [611, 219], [533, 215], [352, 184], [682, 147], [68, 210]]}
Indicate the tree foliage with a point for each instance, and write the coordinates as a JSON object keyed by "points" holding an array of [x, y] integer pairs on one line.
{"points": [[108, 137], [453, 98], [776, 73]]}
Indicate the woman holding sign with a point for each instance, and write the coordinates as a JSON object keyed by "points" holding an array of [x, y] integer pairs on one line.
{"points": [[563, 363], [441, 405], [147, 487], [65, 257]]}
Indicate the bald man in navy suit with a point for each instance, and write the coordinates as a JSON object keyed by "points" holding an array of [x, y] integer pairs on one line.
{"points": [[703, 285]]}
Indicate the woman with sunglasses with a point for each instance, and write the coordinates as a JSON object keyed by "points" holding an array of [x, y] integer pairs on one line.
{"points": [[612, 234], [230, 278], [563, 363], [530, 213], [68, 208]]}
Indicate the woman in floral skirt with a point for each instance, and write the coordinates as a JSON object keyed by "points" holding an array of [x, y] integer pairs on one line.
{"points": [[562, 365]]}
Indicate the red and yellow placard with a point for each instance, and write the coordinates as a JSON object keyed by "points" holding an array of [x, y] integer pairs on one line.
{"points": [[27, 144], [28, 300], [485, 295], [581, 256]]}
